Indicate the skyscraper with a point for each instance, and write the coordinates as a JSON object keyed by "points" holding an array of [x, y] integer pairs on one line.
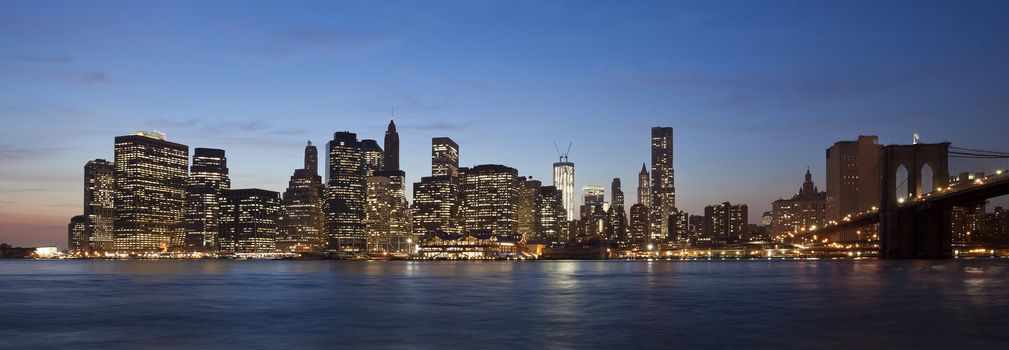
{"points": [[77, 235], [150, 192], [663, 189], [205, 186], [391, 147], [302, 226], [436, 205], [644, 187], [444, 157], [725, 222], [529, 208], [374, 157], [249, 221], [852, 177], [564, 181], [378, 206], [99, 204], [399, 210], [553, 222], [490, 199], [593, 195], [345, 194], [802, 211], [638, 227]]}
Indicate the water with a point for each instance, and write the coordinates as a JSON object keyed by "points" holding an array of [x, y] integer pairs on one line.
{"points": [[545, 304]]}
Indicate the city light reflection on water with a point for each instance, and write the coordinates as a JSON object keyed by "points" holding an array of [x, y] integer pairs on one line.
{"points": [[542, 304]]}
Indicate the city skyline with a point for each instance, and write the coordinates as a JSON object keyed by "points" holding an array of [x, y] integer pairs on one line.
{"points": [[740, 135]]}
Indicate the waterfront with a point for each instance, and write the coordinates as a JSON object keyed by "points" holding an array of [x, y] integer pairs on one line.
{"points": [[535, 304]]}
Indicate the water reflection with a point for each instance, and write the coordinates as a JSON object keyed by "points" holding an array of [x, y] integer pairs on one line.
{"points": [[547, 304]]}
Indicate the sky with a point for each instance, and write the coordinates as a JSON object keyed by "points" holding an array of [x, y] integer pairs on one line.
{"points": [[755, 90]]}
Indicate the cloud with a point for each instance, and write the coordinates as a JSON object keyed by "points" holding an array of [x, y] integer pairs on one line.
{"points": [[93, 78], [10, 152], [41, 58]]}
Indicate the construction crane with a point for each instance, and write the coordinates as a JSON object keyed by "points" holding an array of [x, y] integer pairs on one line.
{"points": [[563, 156]]}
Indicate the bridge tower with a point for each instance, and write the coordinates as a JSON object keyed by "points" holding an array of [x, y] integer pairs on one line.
{"points": [[913, 231]]}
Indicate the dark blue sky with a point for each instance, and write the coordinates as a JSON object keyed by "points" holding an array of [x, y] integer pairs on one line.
{"points": [[756, 90]]}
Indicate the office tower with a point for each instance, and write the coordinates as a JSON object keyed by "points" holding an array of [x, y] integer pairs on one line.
{"points": [[399, 210], [490, 197], [663, 189], [804, 210], [616, 224], [311, 159], [344, 195], [150, 192], [680, 229], [725, 222], [553, 222], [302, 227], [444, 157], [99, 204], [852, 177], [695, 225], [564, 180], [78, 241], [644, 187], [374, 158], [391, 147], [639, 223], [205, 186], [376, 215], [436, 205], [617, 195], [249, 221], [593, 195], [529, 208]]}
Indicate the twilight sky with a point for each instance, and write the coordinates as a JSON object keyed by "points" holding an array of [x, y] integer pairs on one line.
{"points": [[756, 90]]}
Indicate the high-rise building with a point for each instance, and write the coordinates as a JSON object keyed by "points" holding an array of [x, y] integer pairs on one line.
{"points": [[436, 205], [638, 227], [644, 187], [205, 186], [444, 157], [725, 222], [553, 222], [391, 147], [617, 195], [564, 181], [77, 236], [593, 195], [529, 208], [376, 214], [345, 194], [302, 227], [99, 204], [681, 226], [374, 158], [490, 197], [663, 190], [852, 177], [399, 210], [249, 221], [150, 192], [805, 210]]}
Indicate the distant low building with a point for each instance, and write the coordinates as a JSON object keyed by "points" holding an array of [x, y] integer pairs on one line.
{"points": [[476, 245], [805, 210]]}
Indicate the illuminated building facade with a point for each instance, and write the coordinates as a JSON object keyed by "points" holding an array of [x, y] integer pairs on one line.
{"points": [[552, 218], [444, 157], [99, 204], [378, 207], [150, 180], [663, 189], [77, 236], [436, 205], [490, 198], [564, 181], [529, 208], [374, 158], [302, 227], [399, 210], [805, 210], [725, 222], [249, 221], [644, 187], [345, 194], [208, 179], [639, 223]]}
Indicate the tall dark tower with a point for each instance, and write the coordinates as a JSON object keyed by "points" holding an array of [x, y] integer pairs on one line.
{"points": [[312, 159], [663, 189], [391, 147], [205, 186], [344, 202], [644, 187]]}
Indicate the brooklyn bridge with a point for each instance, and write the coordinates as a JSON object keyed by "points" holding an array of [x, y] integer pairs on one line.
{"points": [[919, 187]]}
